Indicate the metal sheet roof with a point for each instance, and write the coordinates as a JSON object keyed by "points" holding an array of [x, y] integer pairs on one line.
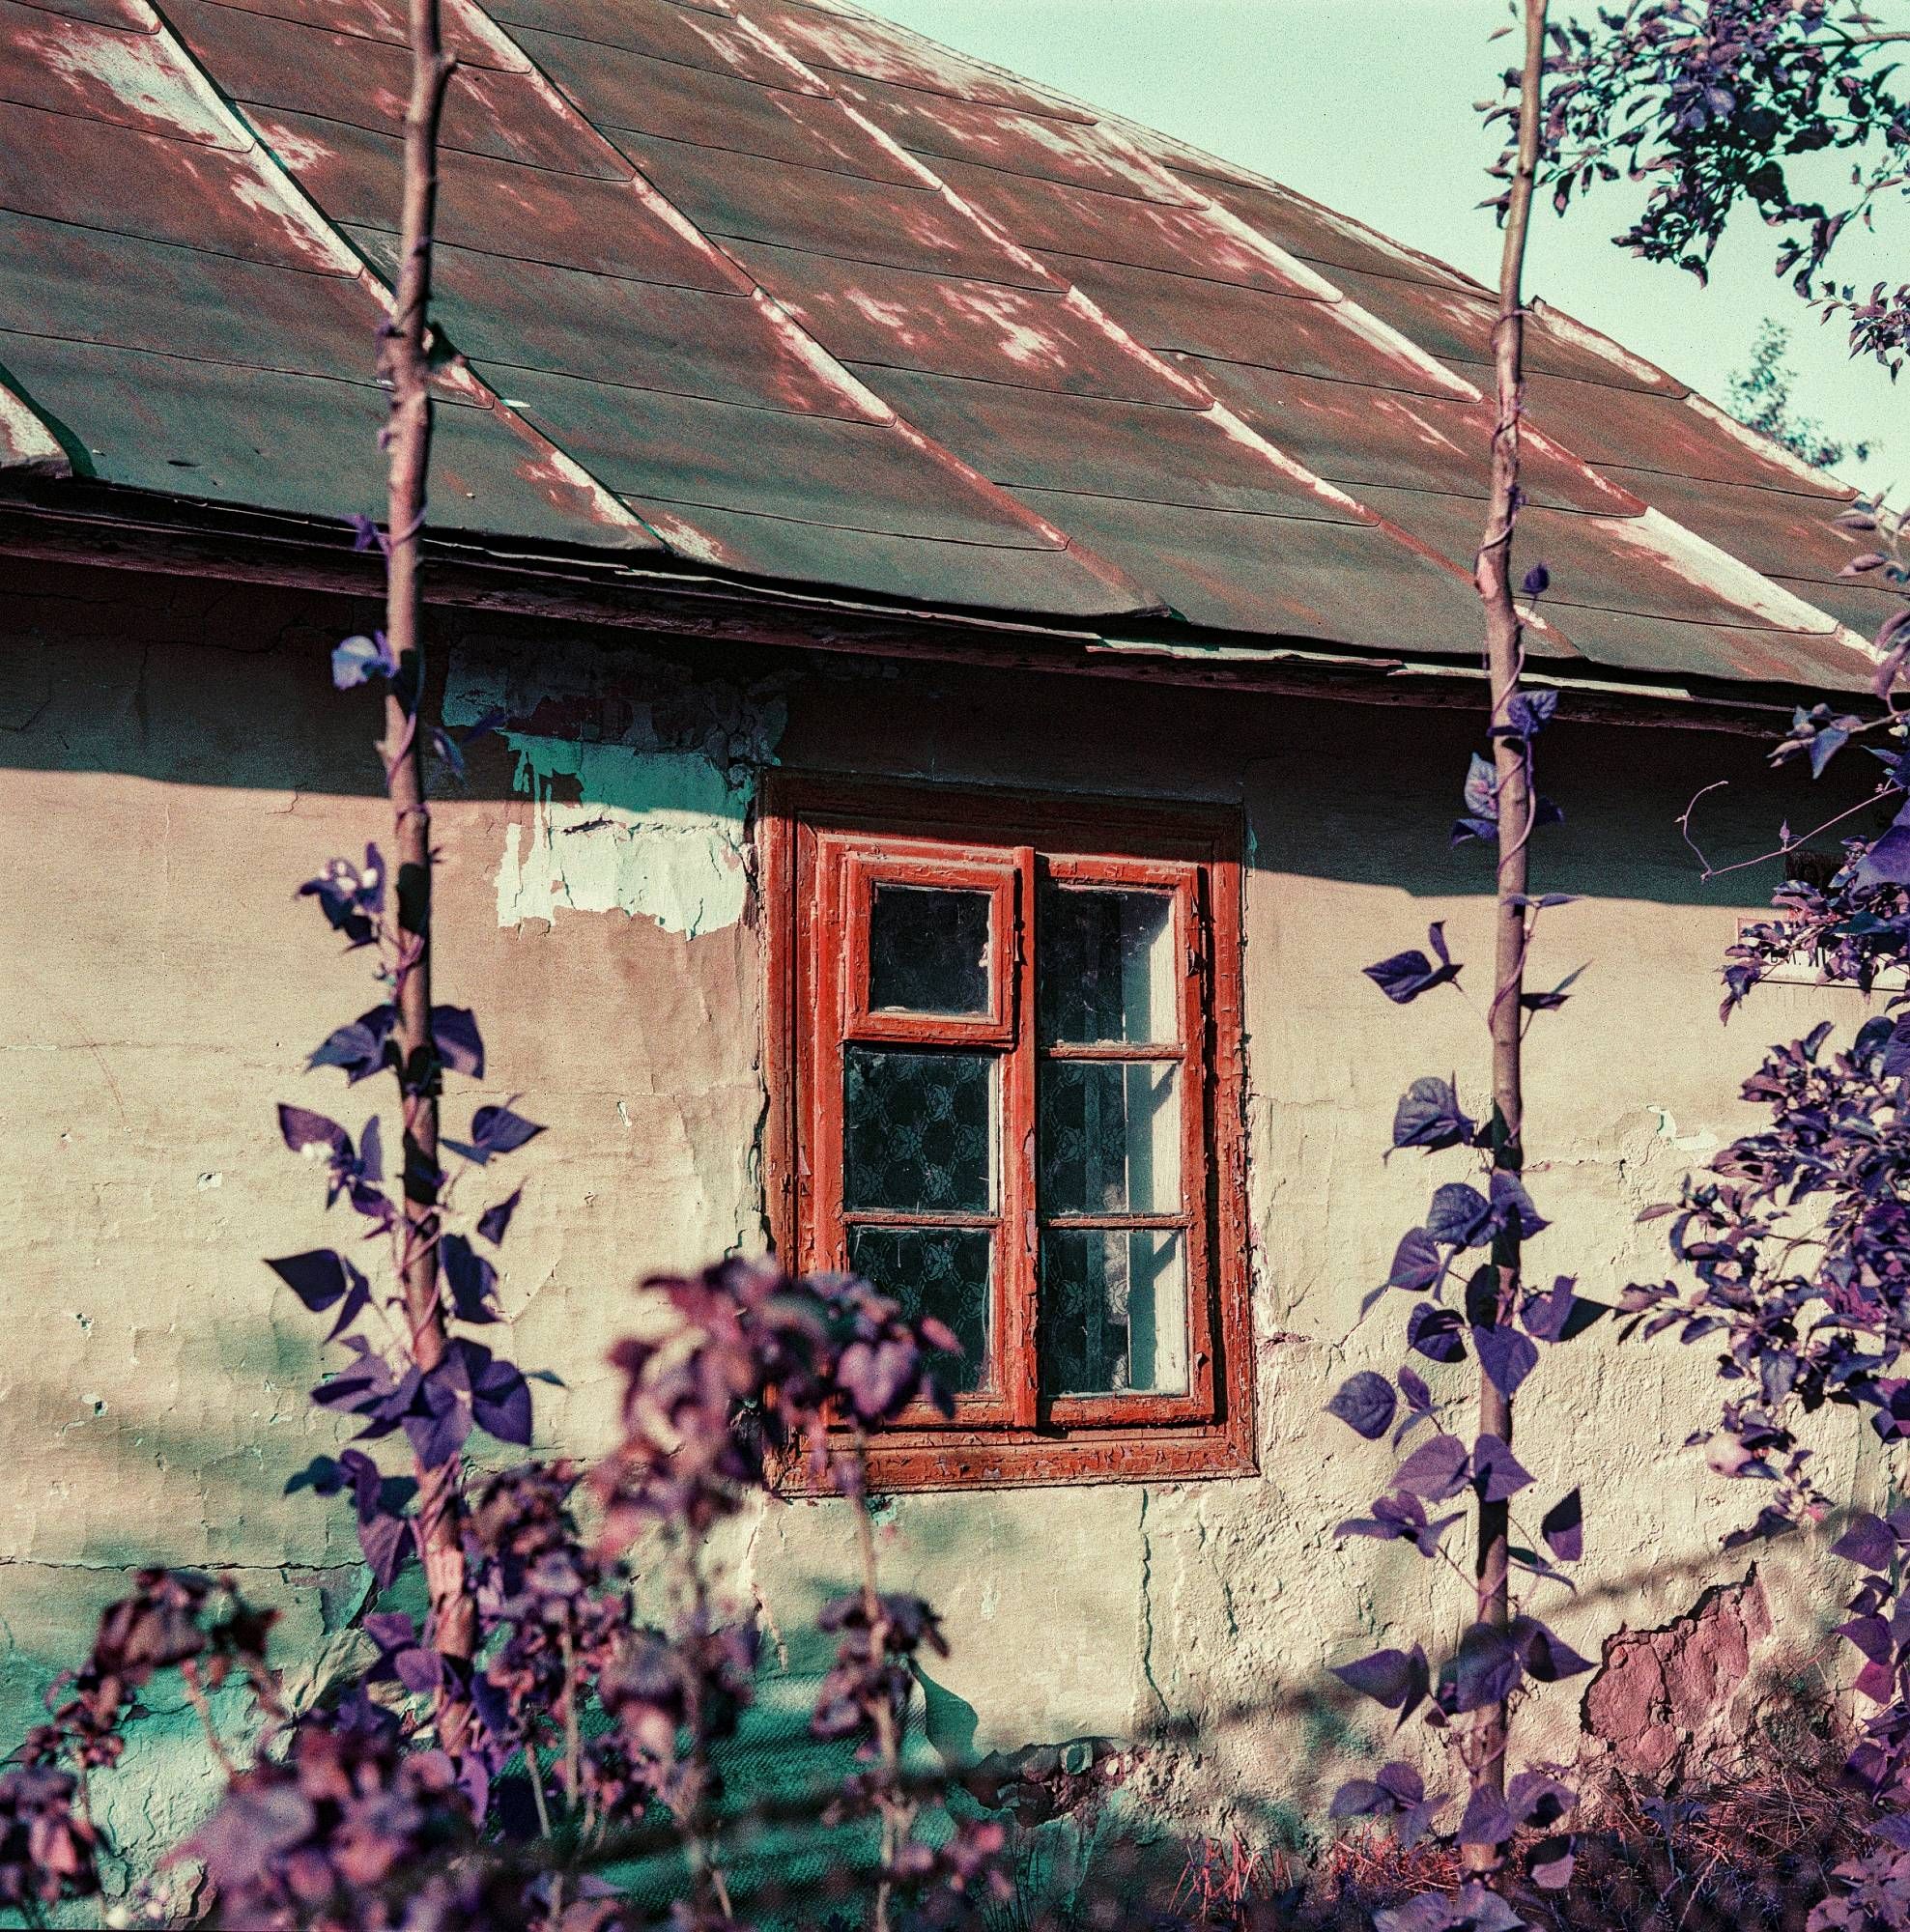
{"points": [[775, 287]]}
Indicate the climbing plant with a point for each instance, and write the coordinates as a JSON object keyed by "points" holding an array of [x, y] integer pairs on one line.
{"points": [[1790, 1248], [1465, 1265]]}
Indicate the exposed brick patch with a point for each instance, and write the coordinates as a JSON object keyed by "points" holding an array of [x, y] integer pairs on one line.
{"points": [[1664, 1701]]}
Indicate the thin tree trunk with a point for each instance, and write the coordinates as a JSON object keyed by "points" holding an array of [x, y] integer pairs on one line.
{"points": [[404, 364], [1504, 656]]}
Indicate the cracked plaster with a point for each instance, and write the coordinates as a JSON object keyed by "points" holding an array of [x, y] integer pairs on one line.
{"points": [[166, 989]]}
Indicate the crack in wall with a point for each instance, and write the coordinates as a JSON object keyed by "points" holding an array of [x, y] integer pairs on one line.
{"points": [[1146, 1607]]}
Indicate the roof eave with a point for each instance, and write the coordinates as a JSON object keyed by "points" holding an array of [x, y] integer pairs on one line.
{"points": [[111, 528]]}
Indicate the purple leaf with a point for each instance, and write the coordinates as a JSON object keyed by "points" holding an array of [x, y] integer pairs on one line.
{"points": [[1868, 1540], [306, 1132], [1872, 1636], [1487, 1821], [1537, 1798], [1435, 1470], [1419, 1396], [1428, 1117], [359, 1047], [1548, 1658], [1888, 862], [321, 1279], [1556, 1314], [1404, 976], [386, 1542], [1506, 1356], [1357, 1798], [1365, 1403], [438, 1418], [1527, 714], [501, 1402], [474, 1281], [494, 1221], [495, 1130], [1497, 1475], [1548, 1002], [1551, 1865], [1486, 1671], [1417, 1264], [1537, 580], [1563, 1529], [1511, 1205], [371, 1151], [460, 1047], [1396, 1679], [1435, 1331], [1460, 1216]]}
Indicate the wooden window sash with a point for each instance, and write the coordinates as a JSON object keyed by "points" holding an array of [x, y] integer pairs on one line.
{"points": [[1010, 1434], [1179, 881]]}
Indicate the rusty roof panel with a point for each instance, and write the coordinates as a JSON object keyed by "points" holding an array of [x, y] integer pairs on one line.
{"points": [[1853, 603], [1612, 564], [855, 43], [466, 32], [1457, 324], [1682, 436], [1036, 439], [200, 429], [623, 91], [955, 326], [1622, 640], [267, 62], [1062, 220], [1356, 435], [1318, 235], [132, 79], [665, 32], [73, 282], [1309, 335], [1771, 529], [63, 167], [1017, 143], [814, 470], [725, 347], [497, 207], [1069, 584], [1277, 576], [826, 213], [134, 16]]}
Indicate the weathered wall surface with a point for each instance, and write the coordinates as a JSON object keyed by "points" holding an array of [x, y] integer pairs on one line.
{"points": [[173, 762]]}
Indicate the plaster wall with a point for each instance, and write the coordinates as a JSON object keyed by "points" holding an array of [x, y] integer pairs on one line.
{"points": [[173, 762]]}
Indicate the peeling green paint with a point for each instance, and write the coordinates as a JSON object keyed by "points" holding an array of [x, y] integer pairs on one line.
{"points": [[642, 807], [656, 833]]}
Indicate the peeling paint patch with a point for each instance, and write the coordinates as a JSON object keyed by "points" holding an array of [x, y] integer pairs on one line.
{"points": [[640, 776], [655, 834]]}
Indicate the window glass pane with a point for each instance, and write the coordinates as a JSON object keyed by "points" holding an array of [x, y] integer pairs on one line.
{"points": [[1110, 1137], [939, 1271], [918, 1130], [1114, 1311], [928, 950], [1105, 965]]}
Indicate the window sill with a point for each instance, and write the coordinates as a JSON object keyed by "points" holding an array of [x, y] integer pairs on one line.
{"points": [[907, 1462]]}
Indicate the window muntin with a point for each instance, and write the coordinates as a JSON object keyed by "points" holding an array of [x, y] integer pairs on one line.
{"points": [[1015, 1063]]}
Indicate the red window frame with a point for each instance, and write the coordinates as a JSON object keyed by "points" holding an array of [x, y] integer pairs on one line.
{"points": [[824, 846]]}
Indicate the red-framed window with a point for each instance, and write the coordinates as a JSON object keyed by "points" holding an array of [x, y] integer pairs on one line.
{"points": [[1005, 1065]]}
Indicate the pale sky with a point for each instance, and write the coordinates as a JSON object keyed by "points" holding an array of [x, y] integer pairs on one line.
{"points": [[1367, 106]]}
